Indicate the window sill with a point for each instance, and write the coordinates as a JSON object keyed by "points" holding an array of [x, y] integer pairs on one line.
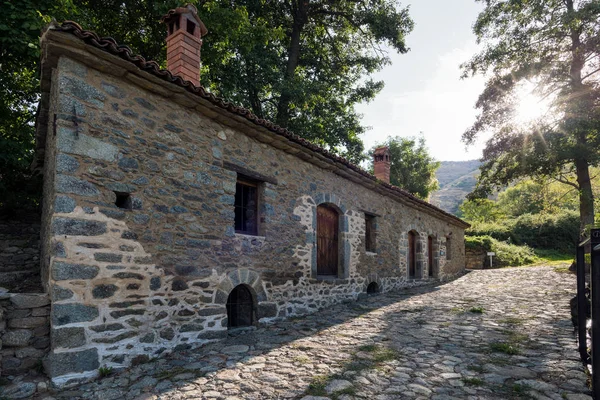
{"points": [[327, 277], [371, 253], [249, 236]]}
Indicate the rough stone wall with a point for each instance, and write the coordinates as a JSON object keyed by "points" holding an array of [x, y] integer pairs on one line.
{"points": [[24, 332], [19, 252], [475, 259], [131, 283]]}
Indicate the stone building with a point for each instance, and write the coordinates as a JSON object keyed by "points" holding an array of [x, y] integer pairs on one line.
{"points": [[171, 216]]}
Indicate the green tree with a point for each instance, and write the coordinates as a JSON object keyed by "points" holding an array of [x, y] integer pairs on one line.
{"points": [[411, 166], [534, 197], [20, 25], [553, 44], [480, 210], [303, 65]]}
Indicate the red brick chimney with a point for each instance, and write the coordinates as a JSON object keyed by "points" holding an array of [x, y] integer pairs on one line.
{"points": [[381, 163], [184, 39]]}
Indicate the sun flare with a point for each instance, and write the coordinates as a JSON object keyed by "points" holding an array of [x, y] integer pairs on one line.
{"points": [[529, 107]]}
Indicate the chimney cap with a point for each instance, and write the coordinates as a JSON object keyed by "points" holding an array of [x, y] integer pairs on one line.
{"points": [[188, 9], [382, 150]]}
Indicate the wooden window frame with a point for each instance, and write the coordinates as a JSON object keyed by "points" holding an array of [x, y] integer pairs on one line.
{"points": [[370, 233], [246, 182]]}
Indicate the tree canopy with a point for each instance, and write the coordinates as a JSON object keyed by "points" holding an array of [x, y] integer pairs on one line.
{"points": [[411, 166], [20, 25], [553, 45]]}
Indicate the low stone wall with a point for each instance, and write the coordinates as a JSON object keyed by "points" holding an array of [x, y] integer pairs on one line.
{"points": [[25, 332], [20, 253], [475, 259]]}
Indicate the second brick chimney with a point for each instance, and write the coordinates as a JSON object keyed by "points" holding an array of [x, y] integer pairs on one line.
{"points": [[184, 39], [381, 163]]}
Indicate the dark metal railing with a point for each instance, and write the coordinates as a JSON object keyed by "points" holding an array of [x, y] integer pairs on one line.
{"points": [[591, 358]]}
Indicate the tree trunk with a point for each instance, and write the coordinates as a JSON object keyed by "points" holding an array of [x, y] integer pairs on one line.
{"points": [[586, 197], [299, 9], [581, 103]]}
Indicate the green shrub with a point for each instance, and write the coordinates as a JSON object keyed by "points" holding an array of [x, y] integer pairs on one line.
{"points": [[499, 231], [547, 231], [507, 255], [541, 231]]}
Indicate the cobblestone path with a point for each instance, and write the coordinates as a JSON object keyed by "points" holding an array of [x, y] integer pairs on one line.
{"points": [[494, 334]]}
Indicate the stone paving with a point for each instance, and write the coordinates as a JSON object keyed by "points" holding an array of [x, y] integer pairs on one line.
{"points": [[492, 334]]}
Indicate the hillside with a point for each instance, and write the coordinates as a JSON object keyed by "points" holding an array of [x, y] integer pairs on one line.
{"points": [[457, 179]]}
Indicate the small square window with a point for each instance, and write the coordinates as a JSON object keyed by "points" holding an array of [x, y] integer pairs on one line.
{"points": [[370, 233], [246, 206]]}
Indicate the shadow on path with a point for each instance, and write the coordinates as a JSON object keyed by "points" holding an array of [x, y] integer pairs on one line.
{"points": [[494, 334]]}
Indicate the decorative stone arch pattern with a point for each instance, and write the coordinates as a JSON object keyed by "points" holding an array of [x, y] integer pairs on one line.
{"points": [[382, 283], [265, 310]]}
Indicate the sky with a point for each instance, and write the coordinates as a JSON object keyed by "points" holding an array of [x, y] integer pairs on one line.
{"points": [[423, 91]]}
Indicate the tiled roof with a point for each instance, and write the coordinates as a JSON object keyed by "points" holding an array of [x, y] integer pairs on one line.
{"points": [[111, 46]]}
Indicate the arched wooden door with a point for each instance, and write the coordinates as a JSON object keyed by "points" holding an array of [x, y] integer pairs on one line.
{"points": [[327, 241], [412, 254], [430, 255]]}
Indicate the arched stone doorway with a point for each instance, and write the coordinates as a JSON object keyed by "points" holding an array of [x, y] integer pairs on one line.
{"points": [[241, 307]]}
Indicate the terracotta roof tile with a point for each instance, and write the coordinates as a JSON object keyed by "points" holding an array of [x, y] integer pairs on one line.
{"points": [[111, 46]]}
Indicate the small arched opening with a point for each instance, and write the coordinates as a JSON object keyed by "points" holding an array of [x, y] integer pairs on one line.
{"points": [[373, 288], [241, 310]]}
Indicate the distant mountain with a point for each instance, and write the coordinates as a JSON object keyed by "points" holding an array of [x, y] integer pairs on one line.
{"points": [[457, 179]]}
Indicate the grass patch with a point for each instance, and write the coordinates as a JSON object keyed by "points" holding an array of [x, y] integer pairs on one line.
{"points": [[553, 258], [520, 391], [384, 354], [563, 270], [517, 337], [380, 353], [316, 387], [506, 348], [368, 348], [476, 310], [170, 373], [302, 359], [351, 391], [105, 371], [473, 381], [457, 310]]}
